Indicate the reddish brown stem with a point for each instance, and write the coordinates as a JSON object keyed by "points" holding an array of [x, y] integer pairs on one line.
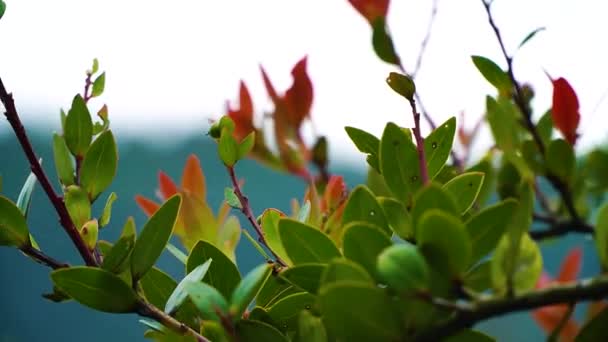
{"points": [[424, 174], [42, 258], [64, 218]]}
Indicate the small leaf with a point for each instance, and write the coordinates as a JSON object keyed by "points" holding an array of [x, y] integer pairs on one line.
{"points": [[207, 300], [228, 149], [594, 330], [96, 288], [78, 131], [99, 165], [223, 273], [248, 288], [364, 141], [251, 330], [601, 235], [270, 227], [180, 294], [177, 253], [432, 197], [465, 188], [398, 217], [232, 199], [373, 320], [340, 270], [78, 205], [13, 227], [519, 271], [399, 163], [25, 195], [304, 212], [63, 160], [107, 210], [363, 243], [402, 84], [246, 145], [305, 276], [530, 36], [565, 109], [362, 206], [154, 237], [438, 145], [95, 66], [493, 74], [403, 268], [488, 226], [89, 233], [99, 85], [305, 244], [157, 287], [383, 43]]}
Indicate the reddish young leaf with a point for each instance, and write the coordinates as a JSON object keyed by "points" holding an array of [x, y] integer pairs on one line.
{"points": [[371, 9], [565, 111], [334, 194], [243, 115], [193, 179], [167, 187], [268, 84], [299, 96], [148, 206], [571, 266]]}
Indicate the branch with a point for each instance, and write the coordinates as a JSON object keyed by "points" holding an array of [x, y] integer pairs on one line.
{"points": [[146, 309], [246, 210], [468, 315], [64, 218], [426, 39], [42, 258], [562, 228], [424, 174]]}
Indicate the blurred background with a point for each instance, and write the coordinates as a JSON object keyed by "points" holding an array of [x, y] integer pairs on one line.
{"points": [[172, 66]]}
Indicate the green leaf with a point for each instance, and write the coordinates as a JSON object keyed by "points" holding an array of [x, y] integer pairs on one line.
{"points": [[277, 287], [96, 288], [306, 244], [228, 149], [78, 205], [157, 287], [99, 85], [504, 124], [25, 195], [223, 273], [402, 84], [479, 278], [116, 260], [177, 253], [517, 271], [398, 217], [180, 294], [270, 227], [231, 198], [154, 237], [13, 227], [403, 268], [78, 131], [469, 336], [207, 299], [399, 163], [89, 233], [2, 8], [107, 210], [437, 146], [493, 74], [305, 276], [443, 240], [363, 243], [545, 128], [63, 160], [601, 235], [561, 160], [95, 66], [286, 311], [310, 328], [375, 319], [256, 245], [465, 188], [488, 187], [488, 226], [594, 330], [250, 330], [248, 288], [99, 165], [340, 269], [530, 36], [246, 145], [304, 212], [364, 141], [362, 206], [432, 197], [383, 43]]}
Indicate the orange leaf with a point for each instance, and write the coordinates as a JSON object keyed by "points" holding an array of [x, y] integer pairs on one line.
{"points": [[299, 96], [565, 107], [549, 317], [334, 194], [371, 9], [243, 116], [571, 266], [268, 84], [193, 179], [148, 206], [166, 185]]}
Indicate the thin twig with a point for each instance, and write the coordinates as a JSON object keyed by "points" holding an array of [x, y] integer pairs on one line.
{"points": [[42, 258], [86, 95], [424, 174], [146, 309], [562, 228], [426, 39], [64, 217], [470, 314], [246, 210]]}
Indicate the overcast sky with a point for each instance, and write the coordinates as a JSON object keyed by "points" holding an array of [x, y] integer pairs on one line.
{"points": [[171, 65]]}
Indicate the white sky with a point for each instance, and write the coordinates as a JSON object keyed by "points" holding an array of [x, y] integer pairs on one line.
{"points": [[173, 64]]}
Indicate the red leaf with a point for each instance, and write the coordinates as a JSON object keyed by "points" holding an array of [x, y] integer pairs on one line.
{"points": [[371, 9], [148, 206], [193, 179], [334, 194], [166, 185], [243, 115], [299, 96], [564, 111], [571, 266], [550, 316], [268, 84]]}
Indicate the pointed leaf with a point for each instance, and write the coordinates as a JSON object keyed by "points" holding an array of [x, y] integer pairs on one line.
{"points": [[116, 259], [223, 273], [99, 165], [246, 145], [63, 160], [78, 205], [438, 145], [107, 210], [432, 197], [270, 227], [179, 295], [383, 43], [492, 73], [96, 288], [193, 179], [571, 266], [25, 195], [251, 330], [398, 217], [365, 142], [362, 206], [399, 162], [530, 36], [154, 237], [286, 311], [565, 109], [231, 198], [306, 244], [465, 188], [157, 287], [13, 227], [99, 85], [488, 226], [363, 243], [207, 300], [78, 131], [305, 276], [402, 84], [248, 288]]}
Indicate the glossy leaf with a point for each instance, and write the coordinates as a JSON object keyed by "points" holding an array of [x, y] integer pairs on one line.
{"points": [[465, 188], [223, 273], [305, 276], [13, 227], [364, 141], [398, 217], [521, 271], [276, 287], [492, 73], [403, 268], [25, 195], [601, 235], [402, 84], [154, 237], [207, 300], [362, 206], [383, 43], [432, 197], [63, 160], [341, 269], [157, 287], [374, 319], [437, 146], [246, 145], [78, 205], [363, 243], [96, 288], [443, 240], [399, 162], [565, 109], [248, 288], [251, 330], [107, 210], [228, 149], [270, 227], [286, 311], [488, 226], [306, 244], [99, 85], [116, 260], [99, 165], [78, 130], [179, 295]]}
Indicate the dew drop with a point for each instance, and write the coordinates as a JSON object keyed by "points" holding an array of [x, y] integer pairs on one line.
{"points": [[307, 307], [434, 145], [372, 213], [414, 178], [470, 185]]}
